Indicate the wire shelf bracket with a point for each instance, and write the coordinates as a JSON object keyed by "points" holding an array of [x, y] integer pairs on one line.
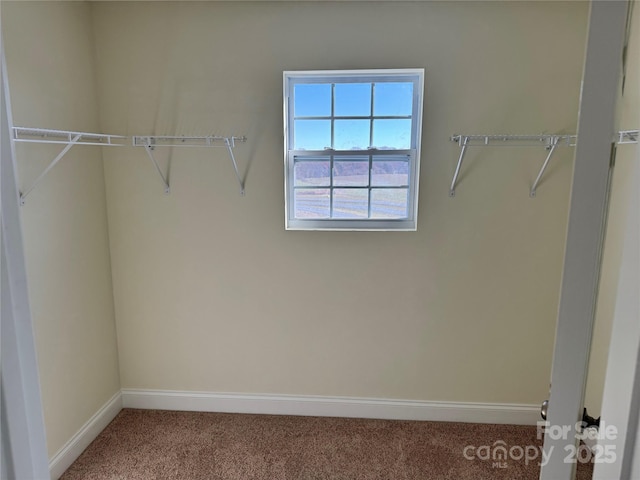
{"points": [[628, 136], [536, 182], [60, 137], [550, 142], [69, 139], [151, 142], [463, 141]]}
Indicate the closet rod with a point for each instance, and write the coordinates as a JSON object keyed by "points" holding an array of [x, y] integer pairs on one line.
{"points": [[60, 137], [545, 140], [149, 142], [65, 137], [548, 141], [184, 141]]}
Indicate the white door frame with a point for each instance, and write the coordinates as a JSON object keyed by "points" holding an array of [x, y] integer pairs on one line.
{"points": [[589, 195], [24, 449], [20, 387], [621, 399]]}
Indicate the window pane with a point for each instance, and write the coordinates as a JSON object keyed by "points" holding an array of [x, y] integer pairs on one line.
{"points": [[351, 173], [392, 134], [352, 99], [395, 99], [311, 203], [351, 134], [351, 143], [312, 100], [312, 134], [389, 203], [390, 173], [311, 174], [350, 202]]}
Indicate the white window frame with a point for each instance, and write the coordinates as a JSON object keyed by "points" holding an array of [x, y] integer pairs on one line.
{"points": [[291, 78]]}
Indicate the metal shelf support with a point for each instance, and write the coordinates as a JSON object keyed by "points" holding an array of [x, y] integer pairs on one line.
{"points": [[69, 139], [628, 136], [64, 137], [72, 142], [150, 142], [167, 141], [552, 149], [463, 142], [149, 149], [60, 137], [230, 144], [548, 141], [545, 140]]}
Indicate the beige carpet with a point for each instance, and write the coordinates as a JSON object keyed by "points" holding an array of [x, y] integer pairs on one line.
{"points": [[152, 444]]}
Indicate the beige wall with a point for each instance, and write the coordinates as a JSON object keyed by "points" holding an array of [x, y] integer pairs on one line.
{"points": [[628, 119], [212, 294], [51, 76]]}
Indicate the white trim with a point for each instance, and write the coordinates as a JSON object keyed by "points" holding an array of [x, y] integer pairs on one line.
{"points": [[23, 429], [585, 233], [83, 437], [354, 407], [292, 78], [622, 382]]}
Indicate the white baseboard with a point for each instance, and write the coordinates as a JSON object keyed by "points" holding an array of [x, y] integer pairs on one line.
{"points": [[354, 407], [515, 414], [83, 437]]}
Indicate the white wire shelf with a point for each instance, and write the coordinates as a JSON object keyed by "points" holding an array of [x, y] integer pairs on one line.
{"points": [[165, 141], [148, 142], [64, 137], [514, 140], [549, 141], [628, 136]]}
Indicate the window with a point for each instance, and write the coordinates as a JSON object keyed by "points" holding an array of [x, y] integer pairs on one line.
{"points": [[352, 149]]}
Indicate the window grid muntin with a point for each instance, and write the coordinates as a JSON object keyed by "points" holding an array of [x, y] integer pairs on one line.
{"points": [[374, 79], [373, 96], [356, 117], [416, 76], [385, 155], [331, 162], [370, 168]]}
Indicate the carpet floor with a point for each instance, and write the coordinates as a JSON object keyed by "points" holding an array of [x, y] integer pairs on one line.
{"points": [[154, 444]]}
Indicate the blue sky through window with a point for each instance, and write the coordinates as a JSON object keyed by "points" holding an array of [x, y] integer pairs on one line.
{"points": [[392, 134], [312, 100], [352, 149], [312, 134], [351, 134], [325, 103], [352, 99], [393, 99]]}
